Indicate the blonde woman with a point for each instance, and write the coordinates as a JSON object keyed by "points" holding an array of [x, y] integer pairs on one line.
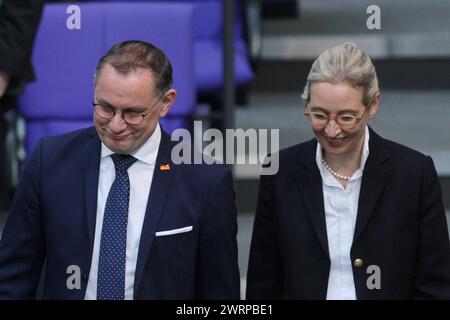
{"points": [[349, 215]]}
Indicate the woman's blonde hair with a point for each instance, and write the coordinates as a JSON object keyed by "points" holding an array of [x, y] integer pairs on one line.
{"points": [[344, 63]]}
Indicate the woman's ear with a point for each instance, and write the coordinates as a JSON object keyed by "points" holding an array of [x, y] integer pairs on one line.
{"points": [[374, 105]]}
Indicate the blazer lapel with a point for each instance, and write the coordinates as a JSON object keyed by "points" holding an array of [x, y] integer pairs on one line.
{"points": [[91, 169], [159, 191], [309, 182], [376, 174]]}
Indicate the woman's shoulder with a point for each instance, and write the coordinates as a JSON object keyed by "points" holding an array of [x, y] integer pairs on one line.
{"points": [[407, 161], [298, 151], [395, 151], [403, 153]]}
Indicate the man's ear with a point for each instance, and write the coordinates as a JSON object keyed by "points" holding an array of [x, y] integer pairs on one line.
{"points": [[168, 100], [375, 103]]}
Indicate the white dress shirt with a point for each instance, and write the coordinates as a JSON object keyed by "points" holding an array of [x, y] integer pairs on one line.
{"points": [[140, 175], [341, 207]]}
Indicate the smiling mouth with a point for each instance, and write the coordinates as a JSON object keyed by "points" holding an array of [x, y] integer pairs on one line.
{"points": [[117, 138], [340, 139]]}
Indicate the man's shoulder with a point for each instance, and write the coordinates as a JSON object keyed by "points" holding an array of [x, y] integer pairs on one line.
{"points": [[62, 138], [65, 144], [200, 168], [203, 168]]}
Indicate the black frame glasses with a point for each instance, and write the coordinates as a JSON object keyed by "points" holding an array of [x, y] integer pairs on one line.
{"points": [[131, 117]]}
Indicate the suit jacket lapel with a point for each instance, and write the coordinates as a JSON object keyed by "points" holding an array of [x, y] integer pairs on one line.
{"points": [[309, 182], [91, 169], [159, 191], [376, 174]]}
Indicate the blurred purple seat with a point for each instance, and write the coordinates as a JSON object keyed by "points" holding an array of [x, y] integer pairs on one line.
{"points": [[208, 48], [60, 100], [208, 42], [208, 18]]}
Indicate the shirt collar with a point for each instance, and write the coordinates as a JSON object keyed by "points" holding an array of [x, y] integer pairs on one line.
{"points": [[358, 173], [146, 153]]}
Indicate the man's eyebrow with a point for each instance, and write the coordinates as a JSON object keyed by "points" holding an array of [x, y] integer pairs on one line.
{"points": [[135, 108], [104, 102], [107, 104]]}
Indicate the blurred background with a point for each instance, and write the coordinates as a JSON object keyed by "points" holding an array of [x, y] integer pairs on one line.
{"points": [[243, 64]]}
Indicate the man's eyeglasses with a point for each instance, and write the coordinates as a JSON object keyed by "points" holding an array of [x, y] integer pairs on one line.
{"points": [[131, 117], [345, 120]]}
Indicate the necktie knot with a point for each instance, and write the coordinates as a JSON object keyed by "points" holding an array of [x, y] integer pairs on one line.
{"points": [[122, 162]]}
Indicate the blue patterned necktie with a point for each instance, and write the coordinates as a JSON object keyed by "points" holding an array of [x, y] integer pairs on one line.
{"points": [[113, 243]]}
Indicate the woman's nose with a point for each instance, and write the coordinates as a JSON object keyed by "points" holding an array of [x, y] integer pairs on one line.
{"points": [[332, 129]]}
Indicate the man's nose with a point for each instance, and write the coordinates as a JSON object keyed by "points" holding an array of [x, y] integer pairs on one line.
{"points": [[117, 123], [332, 129]]}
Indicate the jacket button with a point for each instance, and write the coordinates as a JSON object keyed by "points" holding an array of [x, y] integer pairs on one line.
{"points": [[358, 263]]}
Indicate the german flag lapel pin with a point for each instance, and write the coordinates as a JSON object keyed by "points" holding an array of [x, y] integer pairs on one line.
{"points": [[164, 167]]}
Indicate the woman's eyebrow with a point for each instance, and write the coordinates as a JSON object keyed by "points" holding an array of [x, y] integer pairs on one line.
{"points": [[318, 108]]}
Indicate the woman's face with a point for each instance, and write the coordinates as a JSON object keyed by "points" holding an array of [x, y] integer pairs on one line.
{"points": [[340, 99]]}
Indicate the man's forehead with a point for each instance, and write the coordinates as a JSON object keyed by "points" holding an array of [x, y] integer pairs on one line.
{"points": [[135, 80], [110, 69]]}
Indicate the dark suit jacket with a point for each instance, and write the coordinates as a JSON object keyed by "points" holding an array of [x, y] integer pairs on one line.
{"points": [[400, 227], [54, 214]]}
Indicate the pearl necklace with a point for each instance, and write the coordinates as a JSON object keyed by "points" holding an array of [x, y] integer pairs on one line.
{"points": [[334, 173]]}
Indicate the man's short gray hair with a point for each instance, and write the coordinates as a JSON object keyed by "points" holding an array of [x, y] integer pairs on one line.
{"points": [[133, 55]]}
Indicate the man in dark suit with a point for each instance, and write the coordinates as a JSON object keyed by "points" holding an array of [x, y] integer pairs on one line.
{"points": [[349, 215], [109, 211]]}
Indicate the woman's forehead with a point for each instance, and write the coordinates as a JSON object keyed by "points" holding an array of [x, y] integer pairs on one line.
{"points": [[335, 96]]}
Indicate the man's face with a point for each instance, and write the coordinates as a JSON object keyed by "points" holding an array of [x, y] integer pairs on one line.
{"points": [[340, 99], [134, 92]]}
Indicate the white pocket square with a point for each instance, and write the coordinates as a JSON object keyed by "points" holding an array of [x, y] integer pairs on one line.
{"points": [[173, 231]]}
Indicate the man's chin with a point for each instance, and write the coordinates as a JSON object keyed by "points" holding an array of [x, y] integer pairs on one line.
{"points": [[121, 147]]}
